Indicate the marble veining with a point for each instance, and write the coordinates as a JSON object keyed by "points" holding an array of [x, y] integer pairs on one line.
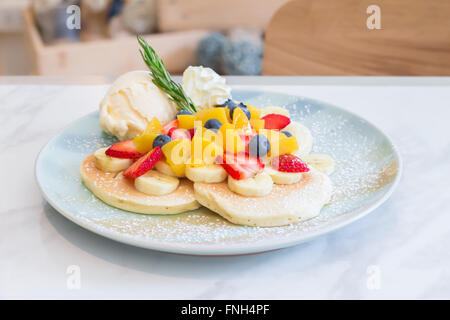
{"points": [[398, 251]]}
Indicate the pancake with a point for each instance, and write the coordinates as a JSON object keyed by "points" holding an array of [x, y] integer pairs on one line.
{"points": [[119, 192], [286, 204]]}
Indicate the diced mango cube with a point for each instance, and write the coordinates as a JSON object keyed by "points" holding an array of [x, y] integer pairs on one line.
{"points": [[231, 140], [210, 153], [257, 124], [274, 138], [255, 112], [177, 153], [212, 136], [186, 121], [197, 145], [241, 122], [288, 145], [144, 143], [212, 113], [153, 126], [203, 151], [279, 143], [227, 113]]}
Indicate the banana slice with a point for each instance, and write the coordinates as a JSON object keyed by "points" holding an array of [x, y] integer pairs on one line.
{"points": [[273, 109], [156, 183], [211, 173], [303, 135], [110, 164], [258, 186], [321, 162], [279, 177], [163, 167]]}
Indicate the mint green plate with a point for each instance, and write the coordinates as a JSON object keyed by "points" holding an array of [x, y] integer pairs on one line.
{"points": [[368, 168]]}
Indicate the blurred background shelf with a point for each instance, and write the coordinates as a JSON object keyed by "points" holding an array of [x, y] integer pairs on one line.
{"points": [[234, 37], [109, 57], [106, 47], [215, 14]]}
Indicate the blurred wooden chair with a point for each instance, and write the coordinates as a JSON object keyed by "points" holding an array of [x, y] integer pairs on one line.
{"points": [[329, 37]]}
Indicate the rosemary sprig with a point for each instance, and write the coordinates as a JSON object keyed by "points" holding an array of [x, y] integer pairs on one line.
{"points": [[162, 79]]}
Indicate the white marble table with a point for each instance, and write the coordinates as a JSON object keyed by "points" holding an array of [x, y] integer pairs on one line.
{"points": [[401, 250]]}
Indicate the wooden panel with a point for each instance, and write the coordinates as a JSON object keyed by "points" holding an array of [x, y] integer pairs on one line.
{"points": [[328, 37], [215, 14], [110, 57]]}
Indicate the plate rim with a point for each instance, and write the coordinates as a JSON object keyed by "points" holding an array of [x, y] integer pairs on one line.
{"points": [[215, 249]]}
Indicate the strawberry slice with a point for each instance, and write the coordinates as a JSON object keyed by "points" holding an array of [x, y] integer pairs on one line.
{"points": [[246, 140], [289, 163], [169, 125], [178, 134], [240, 166], [143, 164], [191, 133], [124, 149], [274, 121]]}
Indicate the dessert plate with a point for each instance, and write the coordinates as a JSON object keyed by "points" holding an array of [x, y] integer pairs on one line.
{"points": [[367, 170]]}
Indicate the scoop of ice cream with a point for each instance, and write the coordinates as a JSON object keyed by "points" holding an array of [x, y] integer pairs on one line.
{"points": [[205, 87], [131, 101]]}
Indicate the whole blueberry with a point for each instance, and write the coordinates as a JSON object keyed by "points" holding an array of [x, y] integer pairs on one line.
{"points": [[244, 108], [184, 112], [215, 130], [161, 140], [287, 133], [213, 124], [259, 146], [229, 103]]}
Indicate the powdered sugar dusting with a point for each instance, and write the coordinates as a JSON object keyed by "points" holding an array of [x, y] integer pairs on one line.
{"points": [[365, 167]]}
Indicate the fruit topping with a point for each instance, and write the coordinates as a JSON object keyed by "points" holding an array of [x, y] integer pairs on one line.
{"points": [[229, 103], [161, 140], [110, 164], [321, 162], [275, 121], [211, 135], [288, 145], [203, 151], [279, 142], [177, 153], [191, 133], [240, 166], [213, 113], [169, 125], [144, 142], [259, 146], [213, 124], [177, 134], [156, 183], [231, 141], [242, 107], [276, 110], [240, 121], [143, 164], [259, 185], [153, 126], [246, 139], [257, 124], [184, 112], [125, 149], [187, 121], [289, 163], [255, 113]]}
